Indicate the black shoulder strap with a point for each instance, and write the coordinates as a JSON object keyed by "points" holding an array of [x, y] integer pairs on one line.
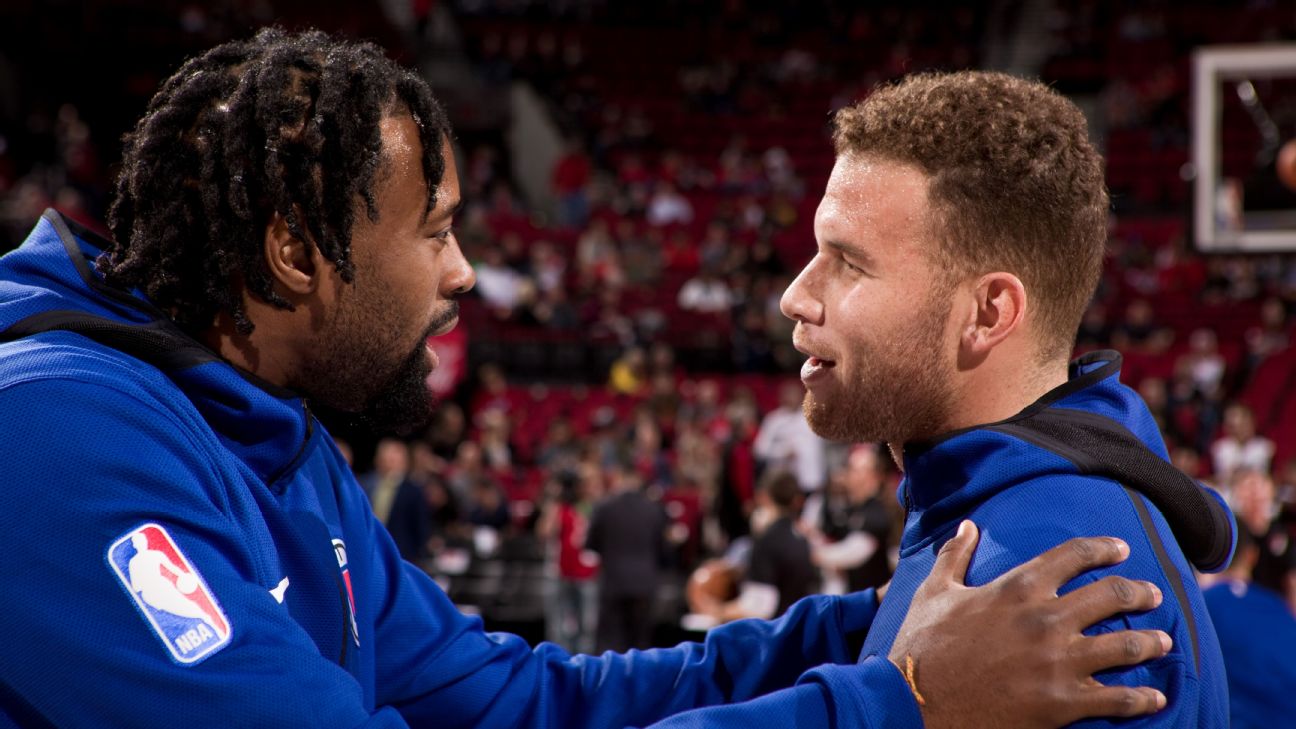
{"points": [[159, 342], [1100, 446]]}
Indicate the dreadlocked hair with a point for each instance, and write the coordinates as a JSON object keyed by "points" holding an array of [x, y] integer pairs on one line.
{"points": [[281, 123]]}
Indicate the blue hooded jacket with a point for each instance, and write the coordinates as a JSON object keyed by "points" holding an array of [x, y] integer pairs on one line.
{"points": [[1085, 460], [184, 545]]}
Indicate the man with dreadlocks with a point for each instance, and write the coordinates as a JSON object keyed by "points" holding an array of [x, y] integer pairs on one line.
{"points": [[282, 235]]}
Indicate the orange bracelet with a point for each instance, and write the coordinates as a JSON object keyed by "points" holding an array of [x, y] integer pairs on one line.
{"points": [[913, 683]]}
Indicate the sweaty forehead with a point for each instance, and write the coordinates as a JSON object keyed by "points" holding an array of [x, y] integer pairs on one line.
{"points": [[869, 197], [401, 167]]}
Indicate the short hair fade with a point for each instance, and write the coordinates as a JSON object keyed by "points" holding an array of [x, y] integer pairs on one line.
{"points": [[1014, 180]]}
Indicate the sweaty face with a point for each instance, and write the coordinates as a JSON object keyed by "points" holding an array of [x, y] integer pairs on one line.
{"points": [[372, 358], [872, 310]]}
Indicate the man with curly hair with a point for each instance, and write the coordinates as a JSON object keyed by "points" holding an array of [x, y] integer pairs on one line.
{"points": [[283, 235], [960, 238]]}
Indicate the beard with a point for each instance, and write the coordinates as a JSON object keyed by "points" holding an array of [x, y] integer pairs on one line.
{"points": [[361, 381], [896, 391], [405, 403]]}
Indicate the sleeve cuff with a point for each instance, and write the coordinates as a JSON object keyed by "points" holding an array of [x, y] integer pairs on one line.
{"points": [[871, 694]]}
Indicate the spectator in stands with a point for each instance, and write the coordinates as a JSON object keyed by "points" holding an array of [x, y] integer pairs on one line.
{"points": [[1204, 363], [705, 293], [1257, 635], [786, 442], [780, 171], [697, 458], [446, 529], [628, 532], [1188, 460], [554, 310], [488, 506], [499, 285], [629, 373], [738, 172], [1257, 510], [397, 501], [560, 451], [1240, 448], [495, 428], [1154, 394], [664, 401], [597, 259], [1195, 417], [570, 178], [716, 245], [447, 430], [425, 464], [1271, 335], [1095, 331], [1285, 486], [680, 255], [850, 523], [466, 469], [668, 207], [482, 171], [647, 452], [572, 613], [604, 319], [779, 569], [752, 349], [763, 259], [1140, 331], [491, 391], [548, 266]]}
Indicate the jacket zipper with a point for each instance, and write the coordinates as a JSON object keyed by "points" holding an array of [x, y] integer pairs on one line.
{"points": [[273, 480]]}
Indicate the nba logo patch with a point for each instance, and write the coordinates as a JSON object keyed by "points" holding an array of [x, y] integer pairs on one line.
{"points": [[169, 591]]}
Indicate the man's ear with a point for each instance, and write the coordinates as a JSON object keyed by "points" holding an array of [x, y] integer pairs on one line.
{"points": [[1000, 309], [295, 265]]}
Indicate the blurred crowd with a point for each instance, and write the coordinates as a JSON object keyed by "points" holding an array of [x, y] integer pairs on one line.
{"points": [[630, 492]]}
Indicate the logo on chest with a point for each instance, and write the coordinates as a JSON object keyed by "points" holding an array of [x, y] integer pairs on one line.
{"points": [[171, 594]]}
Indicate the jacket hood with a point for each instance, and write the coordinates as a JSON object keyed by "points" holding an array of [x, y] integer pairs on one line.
{"points": [[50, 284], [1092, 425]]}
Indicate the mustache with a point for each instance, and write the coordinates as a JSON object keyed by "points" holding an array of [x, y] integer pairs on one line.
{"points": [[444, 318]]}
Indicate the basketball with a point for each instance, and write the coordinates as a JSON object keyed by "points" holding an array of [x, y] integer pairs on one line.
{"points": [[713, 581], [186, 583], [1287, 164]]}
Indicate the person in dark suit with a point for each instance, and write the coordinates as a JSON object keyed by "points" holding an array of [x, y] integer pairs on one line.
{"points": [[397, 501], [628, 531]]}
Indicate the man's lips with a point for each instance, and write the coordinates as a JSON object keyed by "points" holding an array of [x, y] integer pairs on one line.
{"points": [[445, 322], [439, 329], [816, 358], [815, 368]]}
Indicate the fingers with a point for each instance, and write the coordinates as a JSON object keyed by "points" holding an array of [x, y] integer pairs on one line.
{"points": [[1056, 567], [955, 555], [1106, 597], [1112, 650], [1120, 701]]}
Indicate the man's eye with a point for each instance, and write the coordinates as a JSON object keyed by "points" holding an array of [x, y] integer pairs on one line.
{"points": [[444, 234], [851, 267]]}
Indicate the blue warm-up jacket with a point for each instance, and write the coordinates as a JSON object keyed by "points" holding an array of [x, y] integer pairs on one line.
{"points": [[183, 545], [1085, 460]]}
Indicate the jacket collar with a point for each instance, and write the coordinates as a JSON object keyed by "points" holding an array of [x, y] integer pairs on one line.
{"points": [[49, 283]]}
